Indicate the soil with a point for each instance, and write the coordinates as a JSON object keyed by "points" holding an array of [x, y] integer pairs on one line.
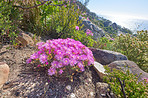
{"points": [[27, 81]]}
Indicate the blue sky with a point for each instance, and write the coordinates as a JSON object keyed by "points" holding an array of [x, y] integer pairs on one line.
{"points": [[120, 8]]}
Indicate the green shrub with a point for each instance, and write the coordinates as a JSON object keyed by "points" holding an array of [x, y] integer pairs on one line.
{"points": [[104, 43], [82, 37], [9, 19], [131, 86], [135, 48], [59, 21]]}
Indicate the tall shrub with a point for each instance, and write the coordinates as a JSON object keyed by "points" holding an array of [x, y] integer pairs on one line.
{"points": [[135, 48]]}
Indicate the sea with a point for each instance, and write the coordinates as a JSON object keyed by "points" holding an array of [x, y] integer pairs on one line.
{"points": [[131, 23]]}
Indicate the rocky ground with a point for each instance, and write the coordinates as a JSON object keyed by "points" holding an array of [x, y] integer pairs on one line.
{"points": [[26, 80]]}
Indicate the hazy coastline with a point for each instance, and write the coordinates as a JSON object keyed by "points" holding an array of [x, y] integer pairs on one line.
{"points": [[134, 24]]}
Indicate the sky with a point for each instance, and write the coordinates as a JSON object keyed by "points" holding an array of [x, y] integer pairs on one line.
{"points": [[137, 9]]}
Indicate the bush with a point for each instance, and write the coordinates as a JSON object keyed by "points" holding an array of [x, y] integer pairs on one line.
{"points": [[9, 20], [126, 83], [59, 54], [135, 48], [60, 21], [104, 43]]}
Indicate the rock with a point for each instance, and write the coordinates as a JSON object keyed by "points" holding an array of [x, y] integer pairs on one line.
{"points": [[28, 39], [92, 94], [21, 41], [72, 95], [98, 32], [68, 87], [99, 69], [101, 89], [133, 68], [106, 57], [4, 72], [114, 25], [107, 23]]}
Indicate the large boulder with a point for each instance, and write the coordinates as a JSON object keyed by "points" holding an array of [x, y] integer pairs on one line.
{"points": [[105, 57], [133, 68], [4, 72]]}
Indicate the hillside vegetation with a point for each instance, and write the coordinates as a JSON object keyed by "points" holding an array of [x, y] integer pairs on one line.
{"points": [[68, 48]]}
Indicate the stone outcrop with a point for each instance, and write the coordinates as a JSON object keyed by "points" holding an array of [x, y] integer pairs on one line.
{"points": [[4, 72], [97, 32], [115, 26], [106, 57], [133, 68]]}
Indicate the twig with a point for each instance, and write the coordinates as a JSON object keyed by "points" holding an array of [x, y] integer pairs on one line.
{"points": [[122, 87]]}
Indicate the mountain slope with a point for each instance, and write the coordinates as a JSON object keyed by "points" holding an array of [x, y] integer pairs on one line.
{"points": [[112, 29]]}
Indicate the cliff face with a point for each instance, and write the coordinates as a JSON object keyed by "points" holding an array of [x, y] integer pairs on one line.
{"points": [[99, 25]]}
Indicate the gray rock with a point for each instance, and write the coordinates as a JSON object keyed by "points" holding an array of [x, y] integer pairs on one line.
{"points": [[106, 57], [133, 68], [114, 25], [98, 32], [72, 95], [102, 88], [68, 87]]}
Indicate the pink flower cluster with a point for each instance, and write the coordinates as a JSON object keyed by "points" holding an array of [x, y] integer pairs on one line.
{"points": [[89, 32], [59, 53], [77, 27]]}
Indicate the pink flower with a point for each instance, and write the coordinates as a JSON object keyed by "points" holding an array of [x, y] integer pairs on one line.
{"points": [[51, 71], [80, 65], [59, 57], [60, 64], [89, 32], [87, 18], [34, 56], [39, 52], [83, 57], [82, 69], [43, 58], [90, 61], [39, 65], [54, 64], [47, 46], [63, 52], [61, 71], [59, 52], [77, 28], [28, 61], [40, 43], [65, 61], [72, 62], [47, 63]]}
